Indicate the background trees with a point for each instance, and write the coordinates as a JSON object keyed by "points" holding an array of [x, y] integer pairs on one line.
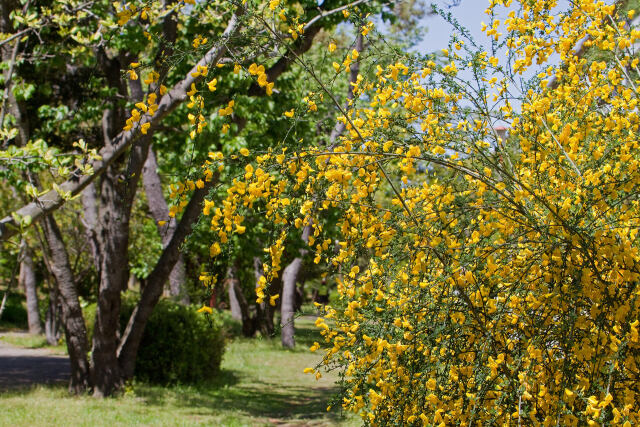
{"points": [[113, 84]]}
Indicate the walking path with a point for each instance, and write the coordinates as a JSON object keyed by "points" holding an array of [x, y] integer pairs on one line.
{"points": [[23, 367]]}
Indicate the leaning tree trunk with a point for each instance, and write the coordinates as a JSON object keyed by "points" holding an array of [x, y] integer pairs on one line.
{"points": [[74, 327], [289, 279], [27, 280], [152, 291]]}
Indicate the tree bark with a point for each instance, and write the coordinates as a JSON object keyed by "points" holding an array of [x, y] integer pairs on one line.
{"points": [[160, 212], [27, 280], [51, 325], [236, 296], [289, 279], [265, 310], [113, 241], [234, 304], [74, 327]]}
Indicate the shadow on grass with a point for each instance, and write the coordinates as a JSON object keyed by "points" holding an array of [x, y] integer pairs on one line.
{"points": [[251, 398], [307, 332]]}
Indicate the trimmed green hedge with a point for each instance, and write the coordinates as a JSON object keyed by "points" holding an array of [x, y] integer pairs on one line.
{"points": [[179, 344]]}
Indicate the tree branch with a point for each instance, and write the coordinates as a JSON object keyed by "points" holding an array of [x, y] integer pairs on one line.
{"points": [[52, 200]]}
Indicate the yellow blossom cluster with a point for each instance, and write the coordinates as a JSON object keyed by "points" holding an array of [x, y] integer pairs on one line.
{"points": [[485, 277]]}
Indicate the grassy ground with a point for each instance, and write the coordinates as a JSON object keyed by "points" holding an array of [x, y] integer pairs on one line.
{"points": [[32, 341], [260, 385]]}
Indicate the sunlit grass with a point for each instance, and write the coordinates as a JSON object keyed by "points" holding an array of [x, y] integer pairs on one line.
{"points": [[32, 341], [260, 384]]}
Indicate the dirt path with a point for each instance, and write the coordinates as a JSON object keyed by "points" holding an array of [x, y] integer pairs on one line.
{"points": [[23, 367]]}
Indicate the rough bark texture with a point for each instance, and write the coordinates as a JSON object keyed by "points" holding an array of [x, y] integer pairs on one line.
{"points": [[27, 280], [74, 327], [289, 279], [115, 193], [160, 212], [113, 241]]}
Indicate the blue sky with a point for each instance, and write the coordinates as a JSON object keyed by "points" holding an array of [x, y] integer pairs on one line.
{"points": [[470, 13]]}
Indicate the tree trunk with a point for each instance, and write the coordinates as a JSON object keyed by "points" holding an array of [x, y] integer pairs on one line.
{"points": [[236, 296], [74, 327], [113, 241], [51, 325], [160, 212], [234, 304], [289, 279], [27, 279], [265, 310]]}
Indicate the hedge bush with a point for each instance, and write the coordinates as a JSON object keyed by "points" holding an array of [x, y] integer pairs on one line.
{"points": [[179, 344], [15, 313]]}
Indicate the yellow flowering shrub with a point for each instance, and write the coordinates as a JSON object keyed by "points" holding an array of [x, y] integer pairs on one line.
{"points": [[485, 277]]}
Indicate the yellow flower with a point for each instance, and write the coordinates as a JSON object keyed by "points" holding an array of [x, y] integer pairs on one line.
{"points": [[273, 298], [244, 152], [205, 309], [214, 250], [289, 113]]}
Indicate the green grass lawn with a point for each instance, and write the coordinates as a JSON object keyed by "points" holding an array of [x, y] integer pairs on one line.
{"points": [[32, 341], [260, 384]]}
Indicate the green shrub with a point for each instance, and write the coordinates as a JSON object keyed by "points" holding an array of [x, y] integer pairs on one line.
{"points": [[15, 313], [179, 344], [89, 314]]}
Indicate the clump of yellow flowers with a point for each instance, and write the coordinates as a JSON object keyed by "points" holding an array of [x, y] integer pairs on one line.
{"points": [[486, 277], [488, 261]]}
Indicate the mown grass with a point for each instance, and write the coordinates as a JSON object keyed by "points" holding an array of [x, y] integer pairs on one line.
{"points": [[32, 341], [260, 384]]}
